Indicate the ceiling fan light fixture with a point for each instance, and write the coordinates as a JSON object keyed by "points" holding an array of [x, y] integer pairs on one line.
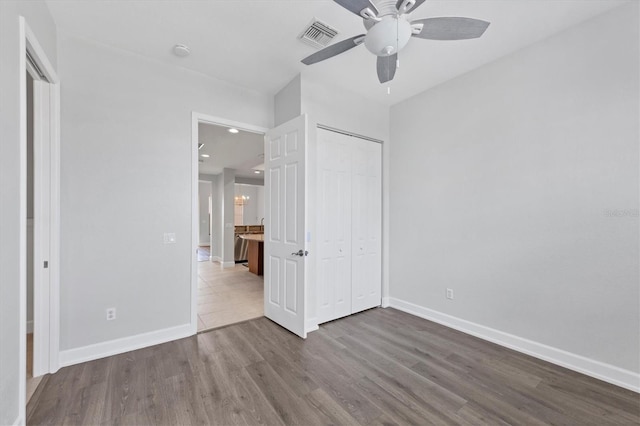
{"points": [[369, 14], [406, 6], [388, 36]]}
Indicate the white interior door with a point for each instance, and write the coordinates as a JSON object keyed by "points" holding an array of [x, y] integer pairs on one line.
{"points": [[366, 225], [285, 227], [41, 227]]}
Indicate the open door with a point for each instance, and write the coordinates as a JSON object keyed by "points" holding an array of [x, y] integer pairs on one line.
{"points": [[284, 242], [41, 227]]}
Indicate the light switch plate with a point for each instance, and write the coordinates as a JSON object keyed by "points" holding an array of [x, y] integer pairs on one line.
{"points": [[169, 238]]}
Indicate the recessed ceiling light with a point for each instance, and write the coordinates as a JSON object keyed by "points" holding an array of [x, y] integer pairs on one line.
{"points": [[181, 50], [205, 155], [256, 172], [232, 130]]}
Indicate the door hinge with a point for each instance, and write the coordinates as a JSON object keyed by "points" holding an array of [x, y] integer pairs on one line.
{"points": [[46, 264]]}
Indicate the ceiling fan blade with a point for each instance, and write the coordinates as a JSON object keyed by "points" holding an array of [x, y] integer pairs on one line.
{"points": [[359, 7], [387, 67], [453, 28], [334, 49], [407, 6]]}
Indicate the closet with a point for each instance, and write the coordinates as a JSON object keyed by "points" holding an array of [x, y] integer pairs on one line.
{"points": [[349, 224]]}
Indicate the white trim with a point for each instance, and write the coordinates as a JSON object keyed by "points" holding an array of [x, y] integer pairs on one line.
{"points": [[219, 121], [125, 344], [229, 264], [45, 358], [197, 118], [38, 54], [216, 259], [385, 302], [600, 370], [18, 421], [29, 326], [22, 208]]}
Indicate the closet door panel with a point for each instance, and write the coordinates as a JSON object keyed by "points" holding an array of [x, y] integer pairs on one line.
{"points": [[367, 225], [334, 227]]}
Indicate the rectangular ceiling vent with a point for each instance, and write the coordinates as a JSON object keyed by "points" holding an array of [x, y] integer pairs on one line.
{"points": [[317, 34]]}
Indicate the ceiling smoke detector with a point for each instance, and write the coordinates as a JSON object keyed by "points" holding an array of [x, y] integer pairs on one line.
{"points": [[181, 50]]}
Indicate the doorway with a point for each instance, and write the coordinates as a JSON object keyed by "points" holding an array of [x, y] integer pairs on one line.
{"points": [[39, 212], [228, 203]]}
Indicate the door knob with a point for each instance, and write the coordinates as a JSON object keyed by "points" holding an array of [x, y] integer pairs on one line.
{"points": [[300, 253]]}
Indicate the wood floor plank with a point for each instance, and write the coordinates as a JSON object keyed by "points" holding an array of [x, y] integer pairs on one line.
{"points": [[409, 388], [290, 407], [330, 408], [379, 367]]}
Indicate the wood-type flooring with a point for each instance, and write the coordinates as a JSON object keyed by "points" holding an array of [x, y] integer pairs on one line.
{"points": [[379, 367]]}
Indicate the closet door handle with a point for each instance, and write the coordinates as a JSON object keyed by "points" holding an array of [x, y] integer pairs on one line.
{"points": [[300, 253]]}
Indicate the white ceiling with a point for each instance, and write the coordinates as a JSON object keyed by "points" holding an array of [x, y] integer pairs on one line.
{"points": [[253, 43], [243, 151]]}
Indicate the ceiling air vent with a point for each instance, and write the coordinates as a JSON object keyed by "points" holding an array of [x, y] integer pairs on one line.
{"points": [[317, 34]]}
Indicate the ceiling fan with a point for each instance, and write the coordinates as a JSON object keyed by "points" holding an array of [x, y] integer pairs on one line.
{"points": [[389, 30]]}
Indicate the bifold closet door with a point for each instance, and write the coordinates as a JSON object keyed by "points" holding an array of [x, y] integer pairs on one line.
{"points": [[366, 234], [349, 225], [334, 226]]}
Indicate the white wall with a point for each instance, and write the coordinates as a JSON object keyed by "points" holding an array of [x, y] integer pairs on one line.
{"points": [[288, 102], [338, 108], [204, 227], [11, 206], [260, 205], [216, 210], [126, 180], [253, 209], [501, 180], [228, 179]]}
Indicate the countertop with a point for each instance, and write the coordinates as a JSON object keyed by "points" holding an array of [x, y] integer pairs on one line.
{"points": [[253, 237]]}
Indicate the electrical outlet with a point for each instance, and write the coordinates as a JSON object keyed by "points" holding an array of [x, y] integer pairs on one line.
{"points": [[111, 314], [450, 293]]}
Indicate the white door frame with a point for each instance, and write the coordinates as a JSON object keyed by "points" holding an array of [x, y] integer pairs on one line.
{"points": [[197, 118], [46, 135]]}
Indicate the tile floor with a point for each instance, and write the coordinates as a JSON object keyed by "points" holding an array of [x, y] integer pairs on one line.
{"points": [[227, 296], [32, 382]]}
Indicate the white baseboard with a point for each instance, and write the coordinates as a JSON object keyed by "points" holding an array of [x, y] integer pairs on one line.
{"points": [[125, 344], [216, 259], [228, 264], [385, 302], [311, 325], [18, 421], [29, 326], [600, 370]]}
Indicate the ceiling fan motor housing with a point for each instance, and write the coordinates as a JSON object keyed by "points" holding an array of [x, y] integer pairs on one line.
{"points": [[388, 36]]}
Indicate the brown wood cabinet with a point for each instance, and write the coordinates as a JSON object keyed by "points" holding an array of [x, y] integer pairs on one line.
{"points": [[255, 252]]}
